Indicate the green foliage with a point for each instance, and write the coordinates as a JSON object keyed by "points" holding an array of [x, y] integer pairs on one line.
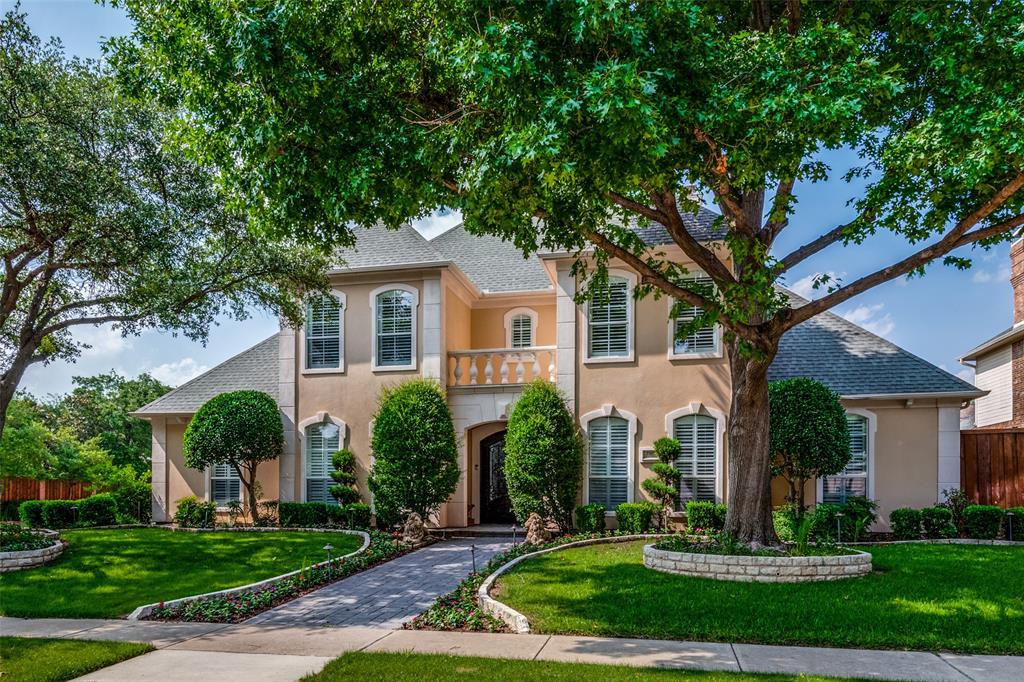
{"points": [[543, 456], [982, 522], [344, 476], [134, 500], [905, 523], [809, 437], [852, 520], [956, 500], [14, 538], [937, 522], [663, 488], [416, 465], [31, 513], [705, 517], [590, 518], [357, 515], [786, 520], [45, 660], [24, 444], [194, 513], [61, 513], [304, 514], [98, 510], [636, 517]]}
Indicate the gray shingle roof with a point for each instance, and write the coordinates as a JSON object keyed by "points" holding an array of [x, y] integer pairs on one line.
{"points": [[705, 226], [998, 341], [492, 264], [852, 361], [255, 369], [378, 247]]}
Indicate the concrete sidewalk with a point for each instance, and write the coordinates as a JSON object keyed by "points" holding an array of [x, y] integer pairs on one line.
{"points": [[197, 651]]}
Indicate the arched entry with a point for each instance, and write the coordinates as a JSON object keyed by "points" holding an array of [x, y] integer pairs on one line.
{"points": [[495, 506]]}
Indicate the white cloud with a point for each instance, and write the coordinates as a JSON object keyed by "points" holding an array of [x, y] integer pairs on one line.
{"points": [[805, 286], [967, 374], [436, 223], [177, 373], [871, 317], [986, 276], [103, 341]]}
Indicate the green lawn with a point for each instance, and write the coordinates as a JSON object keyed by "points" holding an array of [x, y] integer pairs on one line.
{"points": [[107, 573], [951, 597], [55, 660], [438, 668]]}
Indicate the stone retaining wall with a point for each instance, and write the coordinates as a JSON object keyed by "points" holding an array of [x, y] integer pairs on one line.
{"points": [[17, 561], [761, 569]]}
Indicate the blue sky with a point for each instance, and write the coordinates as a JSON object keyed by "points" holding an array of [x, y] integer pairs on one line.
{"points": [[937, 317]]}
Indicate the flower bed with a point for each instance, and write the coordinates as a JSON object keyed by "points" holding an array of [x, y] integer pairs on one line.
{"points": [[240, 605], [21, 548]]}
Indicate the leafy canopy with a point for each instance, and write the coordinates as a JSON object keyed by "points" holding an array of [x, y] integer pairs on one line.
{"points": [[237, 429]]}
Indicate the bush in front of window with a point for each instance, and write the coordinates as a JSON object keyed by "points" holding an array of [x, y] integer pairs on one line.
{"points": [[344, 476], [983, 521], [663, 489], [195, 513], [98, 510], [590, 518], [843, 522], [543, 456], [937, 522], [809, 435], [303, 514], [636, 517], [416, 466], [705, 517], [905, 523], [357, 515]]}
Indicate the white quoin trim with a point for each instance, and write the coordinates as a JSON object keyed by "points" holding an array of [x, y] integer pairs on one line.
{"points": [[696, 407], [414, 292], [342, 306], [609, 410]]}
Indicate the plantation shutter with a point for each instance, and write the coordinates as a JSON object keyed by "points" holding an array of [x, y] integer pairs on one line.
{"points": [[319, 450], [323, 333], [225, 485], [608, 318], [698, 459], [394, 328], [852, 481], [608, 455], [522, 331], [703, 340]]}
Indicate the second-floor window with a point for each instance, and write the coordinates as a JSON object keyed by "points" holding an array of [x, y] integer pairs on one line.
{"points": [[395, 324], [323, 333], [520, 328], [610, 321], [702, 341]]}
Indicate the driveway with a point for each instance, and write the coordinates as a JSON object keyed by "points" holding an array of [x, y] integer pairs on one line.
{"points": [[387, 595]]}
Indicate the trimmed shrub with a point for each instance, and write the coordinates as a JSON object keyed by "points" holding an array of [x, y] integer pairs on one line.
{"points": [[590, 518], [1018, 524], [336, 516], [636, 517], [937, 522], [357, 515], [983, 521], [543, 456], [98, 510], [705, 516], [134, 502], [344, 476], [857, 514], [60, 513], [664, 488], [31, 513], [905, 523], [9, 510], [416, 465], [305, 514], [786, 521], [956, 502], [195, 513]]}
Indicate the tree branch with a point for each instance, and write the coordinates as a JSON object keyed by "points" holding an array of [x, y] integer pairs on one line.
{"points": [[809, 249], [700, 254]]}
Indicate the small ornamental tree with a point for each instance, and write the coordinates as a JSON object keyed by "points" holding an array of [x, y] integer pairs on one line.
{"points": [[663, 488], [416, 465], [809, 437], [344, 476], [239, 429], [543, 456]]}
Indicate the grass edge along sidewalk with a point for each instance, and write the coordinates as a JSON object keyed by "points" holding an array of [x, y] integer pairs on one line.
{"points": [[25, 659]]}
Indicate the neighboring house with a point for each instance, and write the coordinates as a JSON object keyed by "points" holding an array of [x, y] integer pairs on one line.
{"points": [[999, 362], [475, 314]]}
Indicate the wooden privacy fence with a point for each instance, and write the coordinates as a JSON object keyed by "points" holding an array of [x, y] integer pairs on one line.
{"points": [[992, 466], [31, 489]]}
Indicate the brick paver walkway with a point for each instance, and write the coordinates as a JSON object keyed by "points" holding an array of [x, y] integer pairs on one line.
{"points": [[387, 595]]}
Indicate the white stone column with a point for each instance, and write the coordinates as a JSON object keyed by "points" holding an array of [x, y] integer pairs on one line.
{"points": [[158, 464], [949, 449], [286, 403], [565, 334], [432, 327]]}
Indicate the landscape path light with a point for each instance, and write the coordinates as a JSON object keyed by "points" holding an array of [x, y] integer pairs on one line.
{"points": [[328, 548], [1009, 525]]}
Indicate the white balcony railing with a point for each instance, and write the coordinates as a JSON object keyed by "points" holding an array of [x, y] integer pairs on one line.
{"points": [[496, 366]]}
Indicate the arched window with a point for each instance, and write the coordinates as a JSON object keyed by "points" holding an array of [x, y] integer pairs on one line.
{"points": [[698, 460], [520, 328], [852, 481], [608, 461], [321, 442], [394, 318], [610, 321], [323, 331]]}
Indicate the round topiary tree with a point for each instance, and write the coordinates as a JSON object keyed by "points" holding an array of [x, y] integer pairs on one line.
{"points": [[344, 476], [809, 436], [543, 456], [663, 489], [240, 429], [416, 465]]}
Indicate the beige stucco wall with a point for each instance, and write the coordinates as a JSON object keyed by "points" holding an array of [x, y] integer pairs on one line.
{"points": [[489, 325]]}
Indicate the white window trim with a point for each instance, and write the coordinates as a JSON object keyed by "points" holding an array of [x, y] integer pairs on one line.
{"points": [[630, 323], [340, 369], [872, 429], [209, 489], [611, 411], [318, 418], [697, 407], [373, 328], [529, 312]]}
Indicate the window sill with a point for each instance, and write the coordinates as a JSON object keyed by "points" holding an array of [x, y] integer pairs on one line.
{"points": [[620, 359], [708, 355], [325, 370], [394, 368]]}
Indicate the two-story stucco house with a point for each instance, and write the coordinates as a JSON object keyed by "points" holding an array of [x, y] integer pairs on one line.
{"points": [[473, 313]]}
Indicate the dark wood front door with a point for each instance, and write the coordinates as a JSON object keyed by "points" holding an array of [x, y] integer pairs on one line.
{"points": [[494, 503]]}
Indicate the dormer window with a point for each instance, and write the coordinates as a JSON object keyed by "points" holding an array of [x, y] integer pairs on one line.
{"points": [[520, 328], [324, 348]]}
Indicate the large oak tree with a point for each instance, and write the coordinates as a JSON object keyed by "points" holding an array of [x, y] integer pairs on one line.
{"points": [[555, 123]]}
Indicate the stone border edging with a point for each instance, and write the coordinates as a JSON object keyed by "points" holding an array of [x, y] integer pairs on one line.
{"points": [[940, 541], [147, 609], [760, 569], [30, 558], [516, 621]]}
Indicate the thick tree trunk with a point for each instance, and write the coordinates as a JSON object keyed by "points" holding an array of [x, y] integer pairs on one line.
{"points": [[749, 518], [9, 382]]}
